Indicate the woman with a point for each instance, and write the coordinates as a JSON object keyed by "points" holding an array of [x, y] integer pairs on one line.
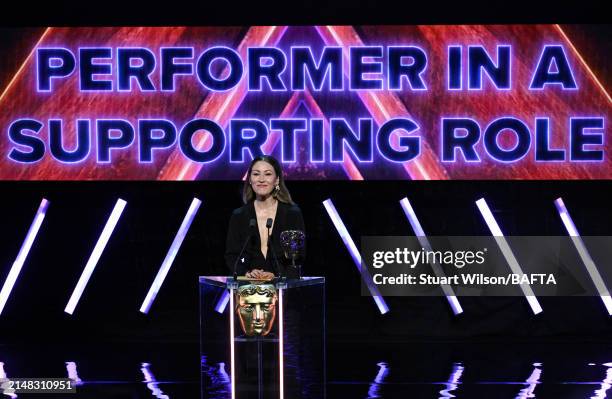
{"points": [[266, 197]]}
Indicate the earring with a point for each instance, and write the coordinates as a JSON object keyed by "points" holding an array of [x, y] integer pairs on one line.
{"points": [[277, 188]]}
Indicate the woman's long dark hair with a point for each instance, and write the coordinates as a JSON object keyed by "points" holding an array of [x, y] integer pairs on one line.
{"points": [[282, 194]]}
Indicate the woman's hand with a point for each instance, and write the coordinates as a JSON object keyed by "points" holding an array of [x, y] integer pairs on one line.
{"points": [[255, 273], [260, 274], [267, 275]]}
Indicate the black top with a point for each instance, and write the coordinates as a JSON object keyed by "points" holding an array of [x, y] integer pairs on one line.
{"points": [[288, 217]]}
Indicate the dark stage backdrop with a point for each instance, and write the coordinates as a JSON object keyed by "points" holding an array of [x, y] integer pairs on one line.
{"points": [[108, 310]]}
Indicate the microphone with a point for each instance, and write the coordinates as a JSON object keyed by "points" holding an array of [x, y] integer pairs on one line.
{"points": [[274, 258], [252, 224]]}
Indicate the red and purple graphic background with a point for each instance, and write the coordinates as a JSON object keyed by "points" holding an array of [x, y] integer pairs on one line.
{"points": [[190, 100]]}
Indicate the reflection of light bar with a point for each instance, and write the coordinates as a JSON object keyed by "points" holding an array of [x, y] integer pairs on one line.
{"points": [[95, 256], [149, 378], [23, 253], [8, 393], [220, 306], [73, 374], [281, 345], [453, 381], [374, 390], [232, 350], [350, 245], [584, 255], [507, 252], [167, 263], [418, 230], [606, 384], [532, 382]]}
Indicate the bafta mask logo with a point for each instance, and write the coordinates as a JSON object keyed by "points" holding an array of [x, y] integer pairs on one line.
{"points": [[256, 308]]}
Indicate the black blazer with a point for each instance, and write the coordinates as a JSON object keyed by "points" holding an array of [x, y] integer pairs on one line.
{"points": [[288, 217]]}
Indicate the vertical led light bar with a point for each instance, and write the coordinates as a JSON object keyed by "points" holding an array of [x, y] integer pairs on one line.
{"points": [[232, 349], [281, 345], [95, 256], [167, 263], [418, 230], [23, 253], [584, 255], [350, 245], [507, 252]]}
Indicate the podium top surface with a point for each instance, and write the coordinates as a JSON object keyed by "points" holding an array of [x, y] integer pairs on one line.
{"points": [[223, 281]]}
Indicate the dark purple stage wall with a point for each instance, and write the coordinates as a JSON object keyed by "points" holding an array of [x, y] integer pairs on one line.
{"points": [[141, 128], [109, 306]]}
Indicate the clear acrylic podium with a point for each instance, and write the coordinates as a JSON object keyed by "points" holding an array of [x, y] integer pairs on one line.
{"points": [[252, 350]]}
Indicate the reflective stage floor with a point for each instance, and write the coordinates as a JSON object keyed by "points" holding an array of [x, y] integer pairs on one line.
{"points": [[355, 370]]}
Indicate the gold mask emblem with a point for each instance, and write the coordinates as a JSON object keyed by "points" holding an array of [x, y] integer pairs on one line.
{"points": [[256, 308]]}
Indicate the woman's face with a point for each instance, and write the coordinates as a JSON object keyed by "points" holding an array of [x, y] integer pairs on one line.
{"points": [[263, 178]]}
